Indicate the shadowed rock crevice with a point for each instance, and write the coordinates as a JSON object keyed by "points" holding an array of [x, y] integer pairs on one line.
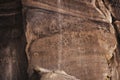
{"points": [[117, 52], [13, 60], [113, 7]]}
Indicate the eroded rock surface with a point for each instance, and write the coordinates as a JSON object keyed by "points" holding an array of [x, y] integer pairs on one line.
{"points": [[76, 36], [114, 7], [44, 74], [13, 60]]}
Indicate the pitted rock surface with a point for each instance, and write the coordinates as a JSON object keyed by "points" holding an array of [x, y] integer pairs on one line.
{"points": [[72, 35]]}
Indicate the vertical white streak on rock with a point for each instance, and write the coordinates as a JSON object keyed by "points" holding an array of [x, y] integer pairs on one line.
{"points": [[60, 38], [10, 69], [9, 63]]}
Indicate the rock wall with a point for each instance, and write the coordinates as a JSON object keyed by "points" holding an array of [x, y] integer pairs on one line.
{"points": [[79, 37], [13, 60], [76, 36]]}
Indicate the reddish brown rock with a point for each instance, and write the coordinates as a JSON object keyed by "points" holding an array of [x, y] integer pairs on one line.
{"points": [[74, 36], [82, 9], [114, 7]]}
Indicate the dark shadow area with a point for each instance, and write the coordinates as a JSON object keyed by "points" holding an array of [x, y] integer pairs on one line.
{"points": [[13, 59]]}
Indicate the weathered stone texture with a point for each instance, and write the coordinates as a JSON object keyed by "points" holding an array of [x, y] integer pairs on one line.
{"points": [[76, 36], [78, 8], [45, 74], [13, 61], [114, 7]]}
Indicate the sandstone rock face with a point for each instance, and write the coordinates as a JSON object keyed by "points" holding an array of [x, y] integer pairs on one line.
{"points": [[45, 74], [113, 6], [73, 8], [76, 36], [13, 61]]}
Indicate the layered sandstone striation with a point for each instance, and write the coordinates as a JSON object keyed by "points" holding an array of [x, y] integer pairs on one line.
{"points": [[76, 36]]}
